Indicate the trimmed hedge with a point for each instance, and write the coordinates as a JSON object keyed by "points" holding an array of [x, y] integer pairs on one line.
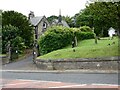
{"points": [[57, 37]]}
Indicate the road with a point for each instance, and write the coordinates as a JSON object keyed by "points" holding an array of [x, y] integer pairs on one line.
{"points": [[52, 79], [80, 78], [59, 80]]}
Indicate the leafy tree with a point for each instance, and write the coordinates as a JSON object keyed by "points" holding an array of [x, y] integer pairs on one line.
{"points": [[0, 18], [0, 31], [101, 16], [9, 32], [51, 18], [69, 20], [82, 18], [104, 16], [21, 22]]}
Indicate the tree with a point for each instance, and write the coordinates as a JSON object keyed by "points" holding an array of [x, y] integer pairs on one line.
{"points": [[0, 18], [0, 31], [51, 18], [9, 32], [83, 18], [101, 16], [21, 22], [69, 20], [104, 16]]}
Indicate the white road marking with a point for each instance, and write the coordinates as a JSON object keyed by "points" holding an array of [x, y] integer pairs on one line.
{"points": [[14, 84], [104, 84], [68, 86], [38, 81]]}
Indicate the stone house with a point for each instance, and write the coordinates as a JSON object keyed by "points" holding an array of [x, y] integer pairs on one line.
{"points": [[60, 21], [40, 24]]}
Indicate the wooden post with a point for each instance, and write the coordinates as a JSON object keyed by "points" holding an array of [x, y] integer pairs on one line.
{"points": [[95, 36], [9, 52], [95, 40], [34, 54], [35, 50], [75, 41]]}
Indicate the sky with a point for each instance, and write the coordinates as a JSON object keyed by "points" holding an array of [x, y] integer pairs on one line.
{"points": [[44, 7]]}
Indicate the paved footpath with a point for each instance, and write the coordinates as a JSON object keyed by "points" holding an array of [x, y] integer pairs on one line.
{"points": [[20, 83]]}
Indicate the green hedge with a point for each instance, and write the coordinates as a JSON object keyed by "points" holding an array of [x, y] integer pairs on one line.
{"points": [[85, 29], [58, 37]]}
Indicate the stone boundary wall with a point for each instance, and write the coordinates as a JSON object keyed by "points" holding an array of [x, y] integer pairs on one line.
{"points": [[4, 59], [81, 63]]}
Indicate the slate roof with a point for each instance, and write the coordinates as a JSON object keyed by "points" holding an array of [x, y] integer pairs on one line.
{"points": [[64, 23], [35, 20]]}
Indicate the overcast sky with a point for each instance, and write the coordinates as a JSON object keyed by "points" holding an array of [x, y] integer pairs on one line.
{"points": [[44, 7]]}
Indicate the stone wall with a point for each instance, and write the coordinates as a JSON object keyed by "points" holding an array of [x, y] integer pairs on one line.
{"points": [[90, 63], [4, 60]]}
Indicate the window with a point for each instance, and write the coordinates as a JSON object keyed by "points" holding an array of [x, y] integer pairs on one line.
{"points": [[44, 25]]}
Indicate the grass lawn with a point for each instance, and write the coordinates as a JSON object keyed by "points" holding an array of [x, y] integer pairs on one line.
{"points": [[2, 55], [87, 49]]}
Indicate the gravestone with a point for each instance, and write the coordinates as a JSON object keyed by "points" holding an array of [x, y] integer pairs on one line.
{"points": [[111, 32]]}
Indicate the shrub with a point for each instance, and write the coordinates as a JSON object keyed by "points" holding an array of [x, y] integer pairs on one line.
{"points": [[84, 35], [58, 37], [18, 44], [55, 38], [85, 29]]}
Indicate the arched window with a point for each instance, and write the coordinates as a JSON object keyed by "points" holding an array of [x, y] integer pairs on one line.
{"points": [[44, 25]]}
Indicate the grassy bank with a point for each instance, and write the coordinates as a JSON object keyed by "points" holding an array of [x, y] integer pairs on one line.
{"points": [[87, 49]]}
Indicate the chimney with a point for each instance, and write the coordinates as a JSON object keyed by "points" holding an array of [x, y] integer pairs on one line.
{"points": [[31, 15]]}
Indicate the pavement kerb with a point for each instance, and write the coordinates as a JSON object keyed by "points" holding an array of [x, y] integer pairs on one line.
{"points": [[61, 71]]}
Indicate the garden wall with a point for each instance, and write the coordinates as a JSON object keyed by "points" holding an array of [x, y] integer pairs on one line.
{"points": [[4, 60], [81, 63]]}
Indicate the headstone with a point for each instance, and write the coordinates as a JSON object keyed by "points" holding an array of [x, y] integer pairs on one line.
{"points": [[111, 32]]}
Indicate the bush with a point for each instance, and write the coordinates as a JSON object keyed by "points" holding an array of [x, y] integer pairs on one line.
{"points": [[55, 38], [84, 35], [18, 44], [58, 37], [85, 29]]}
